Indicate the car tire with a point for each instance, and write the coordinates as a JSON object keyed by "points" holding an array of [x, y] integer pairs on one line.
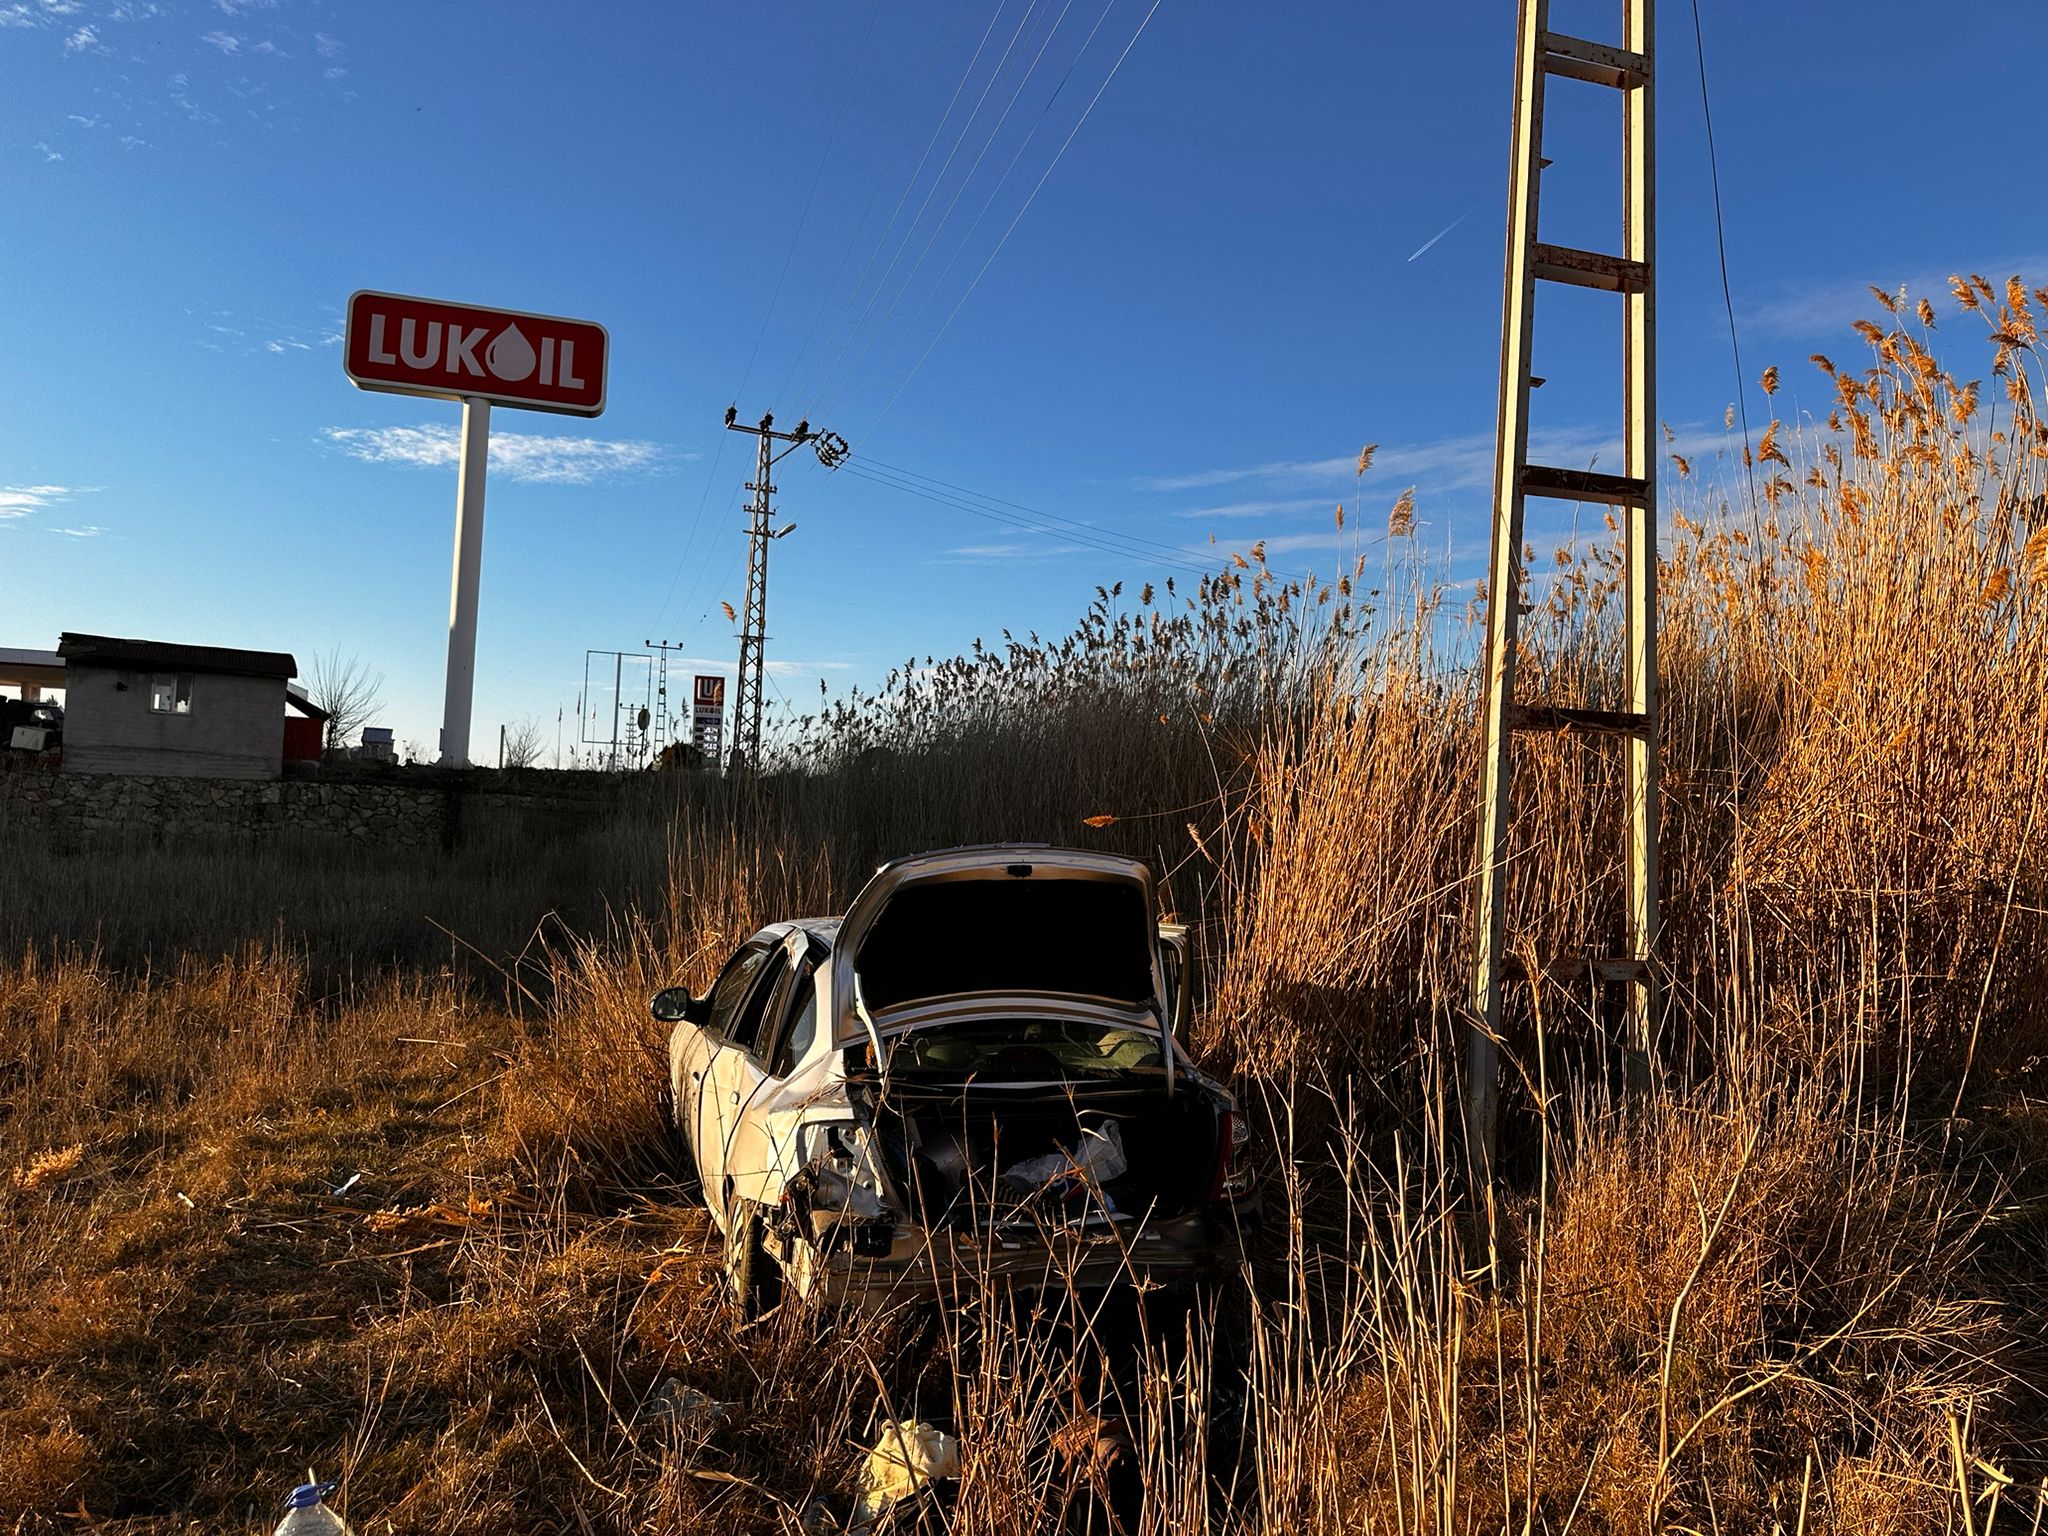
{"points": [[751, 1273]]}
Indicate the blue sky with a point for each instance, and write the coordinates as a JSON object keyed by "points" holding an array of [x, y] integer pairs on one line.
{"points": [[1184, 325]]}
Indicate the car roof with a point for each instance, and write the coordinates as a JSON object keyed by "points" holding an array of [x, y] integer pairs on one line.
{"points": [[826, 929], [823, 929]]}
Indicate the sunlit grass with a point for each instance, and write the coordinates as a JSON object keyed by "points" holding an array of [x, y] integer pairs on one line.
{"points": [[1793, 1285]]}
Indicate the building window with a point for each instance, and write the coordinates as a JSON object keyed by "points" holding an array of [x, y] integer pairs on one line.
{"points": [[171, 693]]}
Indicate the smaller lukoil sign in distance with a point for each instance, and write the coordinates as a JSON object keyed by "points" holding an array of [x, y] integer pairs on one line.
{"points": [[414, 346], [707, 715]]}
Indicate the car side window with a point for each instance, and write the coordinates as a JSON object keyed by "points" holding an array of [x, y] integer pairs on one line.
{"points": [[735, 983], [744, 1028], [800, 1024]]}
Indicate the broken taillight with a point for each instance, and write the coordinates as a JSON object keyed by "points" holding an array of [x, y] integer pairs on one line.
{"points": [[1233, 1159]]}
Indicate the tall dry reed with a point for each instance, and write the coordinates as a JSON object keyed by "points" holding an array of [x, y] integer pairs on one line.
{"points": [[1788, 1287]]}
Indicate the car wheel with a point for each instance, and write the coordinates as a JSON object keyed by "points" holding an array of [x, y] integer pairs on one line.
{"points": [[752, 1274]]}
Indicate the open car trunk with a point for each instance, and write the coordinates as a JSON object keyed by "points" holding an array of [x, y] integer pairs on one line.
{"points": [[976, 1157], [1007, 920]]}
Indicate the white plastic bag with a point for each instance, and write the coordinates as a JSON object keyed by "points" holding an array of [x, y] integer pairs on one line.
{"points": [[909, 1456], [1100, 1156]]}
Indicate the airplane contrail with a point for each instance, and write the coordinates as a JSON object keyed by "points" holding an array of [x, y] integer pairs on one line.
{"points": [[1432, 240]]}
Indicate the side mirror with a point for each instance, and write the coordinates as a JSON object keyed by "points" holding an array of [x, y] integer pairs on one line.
{"points": [[675, 1005]]}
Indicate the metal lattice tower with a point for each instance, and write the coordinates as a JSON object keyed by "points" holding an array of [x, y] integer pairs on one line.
{"points": [[662, 732], [1628, 70], [746, 712], [832, 451]]}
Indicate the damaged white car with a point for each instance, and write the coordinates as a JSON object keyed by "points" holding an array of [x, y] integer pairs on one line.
{"points": [[972, 1077]]}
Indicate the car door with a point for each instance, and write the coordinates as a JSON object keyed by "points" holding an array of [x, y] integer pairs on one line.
{"points": [[760, 1147], [695, 1047], [732, 1074]]}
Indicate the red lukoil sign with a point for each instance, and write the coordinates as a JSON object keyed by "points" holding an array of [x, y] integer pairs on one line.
{"points": [[415, 346]]}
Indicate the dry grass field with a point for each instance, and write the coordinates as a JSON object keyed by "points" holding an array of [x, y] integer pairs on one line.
{"points": [[310, 1159]]}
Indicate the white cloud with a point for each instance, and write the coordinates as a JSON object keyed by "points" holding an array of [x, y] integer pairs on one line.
{"points": [[1262, 508], [89, 531], [1453, 482], [243, 7], [82, 39], [181, 99], [63, 7], [1005, 554], [1443, 464], [329, 47], [16, 16], [1465, 460], [129, 141], [1822, 307], [1277, 545], [1279, 469], [87, 122], [226, 42], [337, 73], [21, 500], [516, 455], [48, 153]]}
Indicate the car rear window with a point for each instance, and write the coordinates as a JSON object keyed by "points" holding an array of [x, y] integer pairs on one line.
{"points": [[1084, 938]]}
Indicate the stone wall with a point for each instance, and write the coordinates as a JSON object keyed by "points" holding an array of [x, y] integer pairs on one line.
{"points": [[383, 812]]}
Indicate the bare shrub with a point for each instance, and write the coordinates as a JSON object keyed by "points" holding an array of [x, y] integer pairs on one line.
{"points": [[524, 743], [347, 690]]}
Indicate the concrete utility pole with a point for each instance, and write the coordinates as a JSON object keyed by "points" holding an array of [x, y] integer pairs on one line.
{"points": [[832, 451], [469, 560], [1627, 70]]}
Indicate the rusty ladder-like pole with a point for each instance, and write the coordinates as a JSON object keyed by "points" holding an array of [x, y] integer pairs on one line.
{"points": [[1627, 69]]}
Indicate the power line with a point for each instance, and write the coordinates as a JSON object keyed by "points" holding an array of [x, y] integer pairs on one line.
{"points": [[1721, 242], [931, 242], [696, 581], [690, 538], [959, 140], [983, 272], [724, 576], [1002, 181], [908, 187], [853, 234], [697, 518], [818, 176]]}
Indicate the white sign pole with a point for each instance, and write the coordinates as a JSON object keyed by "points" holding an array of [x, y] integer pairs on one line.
{"points": [[469, 559]]}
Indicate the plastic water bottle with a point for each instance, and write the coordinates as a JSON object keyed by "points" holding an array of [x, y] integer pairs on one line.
{"points": [[306, 1513]]}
